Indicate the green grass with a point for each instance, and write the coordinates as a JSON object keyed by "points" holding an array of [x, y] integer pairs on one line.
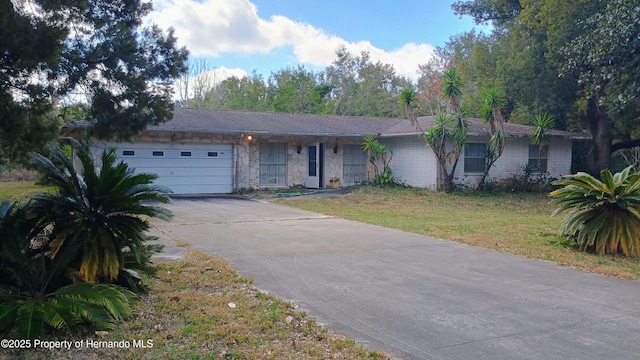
{"points": [[187, 316], [19, 191], [515, 223]]}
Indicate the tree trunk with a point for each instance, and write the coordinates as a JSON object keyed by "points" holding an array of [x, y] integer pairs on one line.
{"points": [[598, 157]]}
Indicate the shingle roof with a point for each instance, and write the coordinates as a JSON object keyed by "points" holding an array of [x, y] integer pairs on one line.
{"points": [[227, 121], [273, 123]]}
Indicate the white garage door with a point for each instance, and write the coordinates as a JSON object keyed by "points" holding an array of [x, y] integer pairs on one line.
{"points": [[183, 168]]}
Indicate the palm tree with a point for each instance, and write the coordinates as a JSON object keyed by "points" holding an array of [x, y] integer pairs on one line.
{"points": [[448, 129], [408, 98], [540, 134], [36, 289], [377, 152], [491, 113], [443, 132], [604, 215], [103, 213], [452, 88]]}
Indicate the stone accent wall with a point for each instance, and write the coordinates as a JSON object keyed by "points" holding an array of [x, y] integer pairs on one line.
{"points": [[247, 154], [297, 163]]}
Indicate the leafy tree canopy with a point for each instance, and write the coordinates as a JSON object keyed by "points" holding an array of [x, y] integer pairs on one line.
{"points": [[57, 52], [576, 60], [352, 85]]}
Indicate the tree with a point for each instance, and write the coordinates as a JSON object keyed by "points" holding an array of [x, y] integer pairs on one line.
{"points": [[60, 52], [451, 89], [195, 86], [604, 215], [540, 133], [498, 11], [447, 135], [429, 94], [379, 152], [606, 55], [298, 91], [491, 113], [363, 88], [247, 93], [102, 214], [446, 139], [572, 59], [407, 98]]}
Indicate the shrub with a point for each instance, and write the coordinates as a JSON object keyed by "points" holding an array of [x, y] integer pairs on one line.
{"points": [[603, 215], [101, 213], [36, 289]]}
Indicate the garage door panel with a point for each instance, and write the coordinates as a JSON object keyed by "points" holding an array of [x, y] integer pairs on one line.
{"points": [[189, 189], [190, 167], [193, 181], [186, 172], [170, 156], [183, 168]]}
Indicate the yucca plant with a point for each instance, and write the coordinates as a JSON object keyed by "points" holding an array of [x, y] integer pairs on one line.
{"points": [[603, 215], [103, 213], [408, 98], [36, 290]]}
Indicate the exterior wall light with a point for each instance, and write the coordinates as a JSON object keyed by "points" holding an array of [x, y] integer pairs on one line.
{"points": [[299, 149]]}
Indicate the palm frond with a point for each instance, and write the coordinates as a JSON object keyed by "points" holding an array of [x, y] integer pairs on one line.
{"points": [[603, 215]]}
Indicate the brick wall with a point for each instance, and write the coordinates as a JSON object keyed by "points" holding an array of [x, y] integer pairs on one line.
{"points": [[514, 156], [413, 162]]}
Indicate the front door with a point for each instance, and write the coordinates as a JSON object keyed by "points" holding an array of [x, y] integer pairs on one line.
{"points": [[315, 166]]}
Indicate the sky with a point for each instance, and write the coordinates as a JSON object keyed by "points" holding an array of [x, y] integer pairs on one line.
{"points": [[237, 37]]}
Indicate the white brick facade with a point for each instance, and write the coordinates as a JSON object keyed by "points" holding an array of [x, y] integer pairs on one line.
{"points": [[415, 164], [514, 156]]}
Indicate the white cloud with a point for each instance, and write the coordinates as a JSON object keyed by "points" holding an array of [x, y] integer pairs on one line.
{"points": [[203, 80], [222, 73], [212, 27]]}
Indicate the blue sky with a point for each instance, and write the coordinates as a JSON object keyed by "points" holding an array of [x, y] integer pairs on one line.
{"points": [[239, 36]]}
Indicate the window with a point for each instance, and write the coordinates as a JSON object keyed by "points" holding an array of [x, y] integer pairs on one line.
{"points": [[185, 153], [273, 164], [128, 153], [158, 153], [354, 167], [475, 157], [212, 153], [537, 160]]}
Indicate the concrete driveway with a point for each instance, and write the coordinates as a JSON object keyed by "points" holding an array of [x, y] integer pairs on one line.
{"points": [[414, 296]]}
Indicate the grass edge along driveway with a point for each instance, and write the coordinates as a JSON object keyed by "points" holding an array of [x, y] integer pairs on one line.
{"points": [[515, 223]]}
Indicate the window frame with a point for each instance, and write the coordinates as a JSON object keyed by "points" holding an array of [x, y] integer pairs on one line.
{"points": [[350, 162], [467, 163], [534, 156], [272, 164]]}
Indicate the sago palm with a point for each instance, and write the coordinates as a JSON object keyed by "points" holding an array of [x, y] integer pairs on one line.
{"points": [[603, 215], [106, 211], [36, 289]]}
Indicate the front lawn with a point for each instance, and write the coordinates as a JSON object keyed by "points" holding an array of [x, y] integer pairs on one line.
{"points": [[199, 308], [18, 190], [196, 308], [515, 223]]}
